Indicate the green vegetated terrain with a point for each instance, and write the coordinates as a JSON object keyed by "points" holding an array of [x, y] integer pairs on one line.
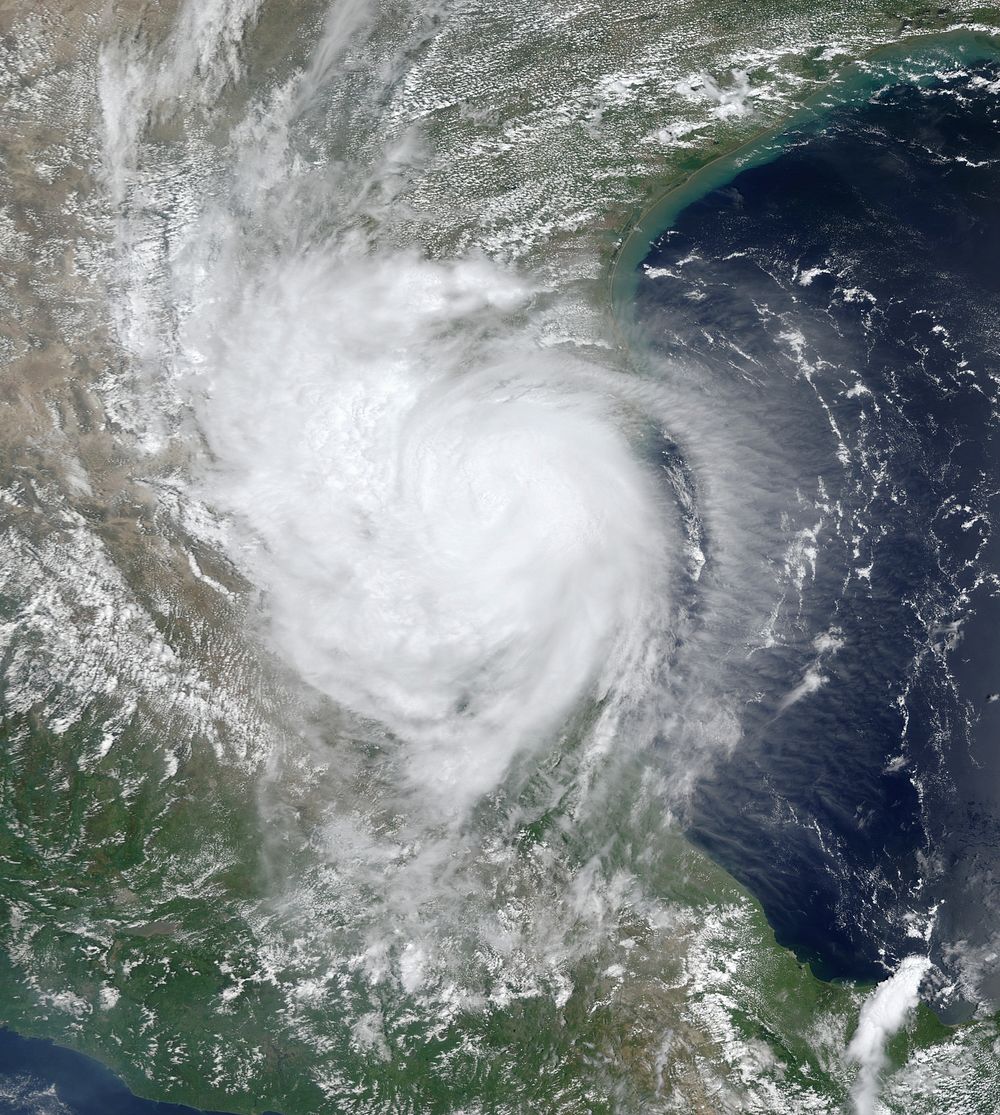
{"points": [[156, 910]]}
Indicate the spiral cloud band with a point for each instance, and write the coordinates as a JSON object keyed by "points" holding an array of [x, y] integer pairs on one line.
{"points": [[455, 536]]}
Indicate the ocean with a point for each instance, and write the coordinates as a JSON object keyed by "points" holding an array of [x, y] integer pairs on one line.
{"points": [[832, 292]]}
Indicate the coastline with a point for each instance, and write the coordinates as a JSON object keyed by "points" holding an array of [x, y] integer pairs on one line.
{"points": [[917, 60], [672, 202], [857, 79], [82, 1082]]}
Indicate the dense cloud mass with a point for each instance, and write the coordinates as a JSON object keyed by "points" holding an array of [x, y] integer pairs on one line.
{"points": [[454, 534], [425, 558]]}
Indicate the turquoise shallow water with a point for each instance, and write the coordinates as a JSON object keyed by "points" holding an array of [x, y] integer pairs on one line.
{"points": [[539, 1030], [830, 289], [917, 60]]}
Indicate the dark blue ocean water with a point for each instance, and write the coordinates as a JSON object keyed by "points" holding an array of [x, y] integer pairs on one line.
{"points": [[840, 306], [39, 1078]]}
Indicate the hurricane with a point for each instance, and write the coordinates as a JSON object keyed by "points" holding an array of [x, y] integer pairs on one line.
{"points": [[498, 592], [455, 539]]}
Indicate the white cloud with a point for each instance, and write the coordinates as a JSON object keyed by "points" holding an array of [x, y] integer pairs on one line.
{"points": [[883, 1014]]}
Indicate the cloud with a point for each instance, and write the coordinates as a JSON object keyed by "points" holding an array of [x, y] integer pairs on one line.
{"points": [[883, 1014], [454, 534]]}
